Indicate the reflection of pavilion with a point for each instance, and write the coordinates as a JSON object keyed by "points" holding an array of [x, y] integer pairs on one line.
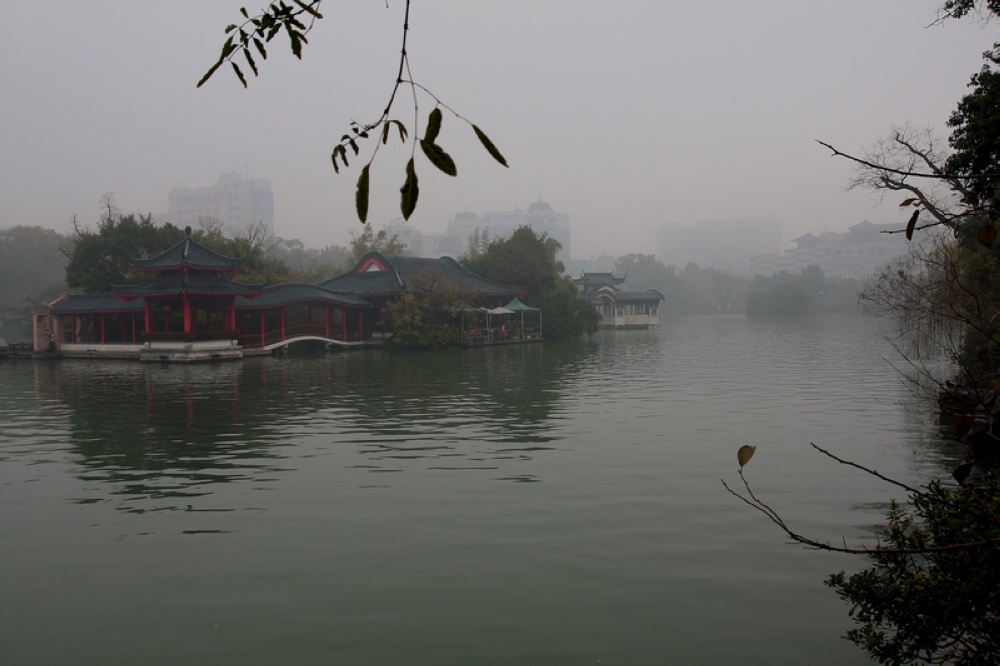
{"points": [[192, 310]]}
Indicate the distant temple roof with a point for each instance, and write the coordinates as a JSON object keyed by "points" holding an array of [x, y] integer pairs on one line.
{"points": [[867, 227], [189, 253], [806, 240], [380, 275], [591, 283], [594, 279]]}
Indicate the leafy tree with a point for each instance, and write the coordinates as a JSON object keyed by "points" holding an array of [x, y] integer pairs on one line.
{"points": [[102, 258], [309, 264], [712, 291], [785, 294], [256, 244], [525, 259], [528, 260], [961, 8], [923, 600], [369, 241], [975, 136], [31, 271], [425, 316], [478, 243], [645, 271]]}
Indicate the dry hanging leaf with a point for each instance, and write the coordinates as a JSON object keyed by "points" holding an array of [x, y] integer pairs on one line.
{"points": [[745, 454]]}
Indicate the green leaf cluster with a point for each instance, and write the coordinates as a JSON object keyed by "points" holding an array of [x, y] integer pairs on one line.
{"points": [[255, 31], [370, 241], [425, 316], [103, 258], [409, 193], [934, 606]]}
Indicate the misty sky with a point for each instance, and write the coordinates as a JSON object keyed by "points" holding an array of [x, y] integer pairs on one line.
{"points": [[624, 115]]}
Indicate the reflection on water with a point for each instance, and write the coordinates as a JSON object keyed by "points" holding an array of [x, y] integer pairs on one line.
{"points": [[555, 503], [173, 431]]}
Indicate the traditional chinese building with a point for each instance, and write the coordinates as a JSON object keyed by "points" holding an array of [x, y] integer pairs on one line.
{"points": [[186, 312], [619, 308], [193, 310], [379, 278]]}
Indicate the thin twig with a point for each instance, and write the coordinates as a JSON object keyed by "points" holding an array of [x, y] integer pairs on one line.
{"points": [[849, 463]]}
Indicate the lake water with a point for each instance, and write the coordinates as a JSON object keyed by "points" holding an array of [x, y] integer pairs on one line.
{"points": [[534, 504]]}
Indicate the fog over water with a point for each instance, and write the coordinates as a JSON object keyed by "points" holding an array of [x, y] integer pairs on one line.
{"points": [[623, 115]]}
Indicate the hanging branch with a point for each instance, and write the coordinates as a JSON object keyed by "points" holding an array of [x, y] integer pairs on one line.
{"points": [[753, 501], [899, 159], [250, 37]]}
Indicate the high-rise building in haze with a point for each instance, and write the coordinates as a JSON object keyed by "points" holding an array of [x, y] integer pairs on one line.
{"points": [[724, 244], [454, 241], [234, 201], [540, 217]]}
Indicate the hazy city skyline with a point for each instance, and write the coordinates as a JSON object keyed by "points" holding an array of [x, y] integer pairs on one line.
{"points": [[624, 116]]}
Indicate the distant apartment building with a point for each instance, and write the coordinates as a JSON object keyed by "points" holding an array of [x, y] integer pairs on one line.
{"points": [[419, 244], [859, 253], [234, 201], [723, 244], [454, 242], [540, 217]]}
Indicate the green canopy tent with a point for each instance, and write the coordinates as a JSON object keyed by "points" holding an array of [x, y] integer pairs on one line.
{"points": [[517, 307]]}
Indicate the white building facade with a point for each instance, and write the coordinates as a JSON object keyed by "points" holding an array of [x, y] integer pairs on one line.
{"points": [[859, 253], [234, 201]]}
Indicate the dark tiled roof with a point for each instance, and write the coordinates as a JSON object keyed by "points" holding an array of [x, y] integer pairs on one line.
{"points": [[645, 295], [402, 271], [87, 303], [283, 294], [177, 283], [599, 279], [192, 254]]}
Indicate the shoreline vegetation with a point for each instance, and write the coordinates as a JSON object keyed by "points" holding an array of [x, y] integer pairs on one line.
{"points": [[35, 269]]}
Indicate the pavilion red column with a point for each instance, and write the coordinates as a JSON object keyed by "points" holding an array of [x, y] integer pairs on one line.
{"points": [[326, 321], [147, 311], [103, 328], [343, 323], [263, 328], [282, 323], [187, 315], [232, 315]]}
